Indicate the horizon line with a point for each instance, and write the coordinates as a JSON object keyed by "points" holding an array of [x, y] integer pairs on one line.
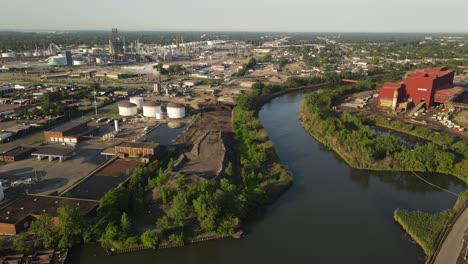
{"points": [[231, 31]]}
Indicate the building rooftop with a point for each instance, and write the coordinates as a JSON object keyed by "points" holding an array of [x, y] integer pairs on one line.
{"points": [[176, 105], [53, 151], [18, 151], [151, 103], [391, 85], [31, 205], [67, 126], [139, 145], [431, 73], [127, 104], [450, 92]]}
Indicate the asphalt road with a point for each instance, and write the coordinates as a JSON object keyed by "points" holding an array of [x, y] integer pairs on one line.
{"points": [[453, 244]]}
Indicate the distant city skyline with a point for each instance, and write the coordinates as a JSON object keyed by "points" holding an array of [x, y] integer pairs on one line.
{"points": [[240, 15]]}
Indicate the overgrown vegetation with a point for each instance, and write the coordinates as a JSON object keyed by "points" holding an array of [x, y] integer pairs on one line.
{"points": [[424, 228], [353, 138]]}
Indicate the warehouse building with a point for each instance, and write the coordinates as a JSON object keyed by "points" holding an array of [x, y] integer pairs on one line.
{"points": [[18, 215], [427, 86], [16, 154], [136, 149], [70, 132], [51, 153], [142, 150]]}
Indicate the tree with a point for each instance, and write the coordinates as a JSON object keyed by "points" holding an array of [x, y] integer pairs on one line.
{"points": [[228, 170], [170, 165], [206, 210], [125, 225], [45, 231], [69, 227], [149, 238], [20, 243], [179, 208], [109, 236]]}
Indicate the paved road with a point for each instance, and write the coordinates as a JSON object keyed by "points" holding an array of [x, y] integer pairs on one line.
{"points": [[452, 246]]}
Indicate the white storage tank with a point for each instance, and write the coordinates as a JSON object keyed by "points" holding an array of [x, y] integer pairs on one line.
{"points": [[138, 100], [127, 109], [151, 108], [175, 110]]}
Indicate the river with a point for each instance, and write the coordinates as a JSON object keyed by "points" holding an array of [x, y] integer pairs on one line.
{"points": [[331, 214]]}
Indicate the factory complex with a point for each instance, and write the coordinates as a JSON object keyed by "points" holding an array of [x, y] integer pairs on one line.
{"points": [[421, 88]]}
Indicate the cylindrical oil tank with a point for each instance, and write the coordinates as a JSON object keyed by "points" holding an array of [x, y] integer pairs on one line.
{"points": [[138, 100], [127, 109], [150, 108], [175, 110]]}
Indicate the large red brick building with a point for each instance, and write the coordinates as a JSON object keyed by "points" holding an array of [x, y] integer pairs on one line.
{"points": [[428, 85], [70, 132]]}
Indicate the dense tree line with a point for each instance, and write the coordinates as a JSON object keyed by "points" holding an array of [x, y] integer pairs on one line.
{"points": [[352, 136]]}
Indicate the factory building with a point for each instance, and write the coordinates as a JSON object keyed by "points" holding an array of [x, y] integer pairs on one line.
{"points": [[425, 86], [18, 215], [70, 132]]}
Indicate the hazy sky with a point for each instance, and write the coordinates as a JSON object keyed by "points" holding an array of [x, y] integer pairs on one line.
{"points": [[238, 15]]}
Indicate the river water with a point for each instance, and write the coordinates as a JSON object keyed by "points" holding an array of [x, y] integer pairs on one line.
{"points": [[331, 214]]}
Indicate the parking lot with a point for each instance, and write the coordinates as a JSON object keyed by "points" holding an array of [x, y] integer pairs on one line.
{"points": [[45, 177]]}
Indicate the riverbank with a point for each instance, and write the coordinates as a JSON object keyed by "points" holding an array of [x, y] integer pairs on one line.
{"points": [[301, 218], [429, 230], [350, 137]]}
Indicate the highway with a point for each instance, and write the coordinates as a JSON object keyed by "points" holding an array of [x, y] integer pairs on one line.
{"points": [[453, 244]]}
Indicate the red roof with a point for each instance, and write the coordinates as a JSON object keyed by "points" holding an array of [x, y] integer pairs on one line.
{"points": [[431, 73], [392, 86], [450, 91]]}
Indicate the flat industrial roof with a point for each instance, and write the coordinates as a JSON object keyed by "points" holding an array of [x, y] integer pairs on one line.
{"points": [[53, 151], [18, 151], [450, 91], [67, 126], [139, 145], [37, 204]]}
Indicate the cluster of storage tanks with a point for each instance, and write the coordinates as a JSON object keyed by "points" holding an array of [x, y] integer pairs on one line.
{"points": [[150, 109]]}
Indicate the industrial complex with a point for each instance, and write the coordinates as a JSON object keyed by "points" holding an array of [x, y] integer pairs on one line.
{"points": [[424, 87], [77, 120]]}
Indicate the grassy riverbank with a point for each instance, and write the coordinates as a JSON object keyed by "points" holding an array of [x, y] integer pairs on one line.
{"points": [[352, 137], [425, 228]]}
